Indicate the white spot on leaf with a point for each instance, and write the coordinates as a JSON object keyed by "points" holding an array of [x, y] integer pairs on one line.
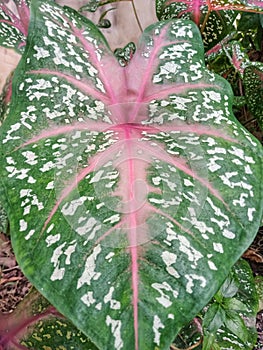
{"points": [[114, 304], [169, 259], [89, 272], [190, 284], [88, 299], [52, 239], [164, 299], [116, 331], [157, 324]]}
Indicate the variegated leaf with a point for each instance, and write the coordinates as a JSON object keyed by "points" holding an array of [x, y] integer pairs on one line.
{"points": [[130, 191], [14, 21], [166, 8], [214, 24], [35, 324]]}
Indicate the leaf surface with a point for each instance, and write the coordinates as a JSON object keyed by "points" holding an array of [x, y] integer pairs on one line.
{"points": [[14, 21], [166, 8], [130, 191]]}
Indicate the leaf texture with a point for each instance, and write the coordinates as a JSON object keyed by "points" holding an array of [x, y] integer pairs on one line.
{"points": [[14, 21], [131, 191]]}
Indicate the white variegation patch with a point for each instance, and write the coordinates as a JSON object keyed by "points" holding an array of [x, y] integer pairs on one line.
{"points": [[90, 272]]}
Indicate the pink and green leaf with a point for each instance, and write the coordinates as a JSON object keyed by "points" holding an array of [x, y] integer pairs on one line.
{"points": [[14, 21], [131, 191], [196, 7], [35, 324]]}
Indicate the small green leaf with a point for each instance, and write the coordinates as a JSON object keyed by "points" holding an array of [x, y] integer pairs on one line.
{"points": [[214, 318], [14, 21], [229, 287], [247, 293], [208, 342], [253, 83], [35, 324], [125, 55], [259, 287], [3, 220], [91, 6], [234, 304], [56, 334], [236, 325]]}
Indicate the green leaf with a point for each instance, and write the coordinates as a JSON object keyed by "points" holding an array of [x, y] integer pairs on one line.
{"points": [[244, 304], [3, 220], [236, 325], [253, 83], [235, 305], [131, 191], [219, 25], [91, 6], [247, 292], [14, 24], [213, 319], [167, 8], [229, 288], [125, 55], [209, 342], [35, 324], [259, 288], [56, 334]]}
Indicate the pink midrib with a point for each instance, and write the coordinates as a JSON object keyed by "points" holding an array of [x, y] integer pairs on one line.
{"points": [[133, 237]]}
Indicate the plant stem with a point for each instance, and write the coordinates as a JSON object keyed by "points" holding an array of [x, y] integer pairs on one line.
{"points": [[205, 21], [102, 3], [250, 121], [136, 16]]}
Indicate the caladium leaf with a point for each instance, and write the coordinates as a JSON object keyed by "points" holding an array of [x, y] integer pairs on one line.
{"points": [[14, 21], [167, 7], [130, 191], [216, 18], [35, 324], [253, 83], [214, 25], [124, 55]]}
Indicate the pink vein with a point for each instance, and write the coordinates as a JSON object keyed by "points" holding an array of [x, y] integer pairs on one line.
{"points": [[195, 129], [174, 127], [149, 69], [24, 14], [84, 87], [15, 21], [107, 233], [94, 58], [85, 126], [133, 239], [196, 10], [67, 191], [160, 212], [178, 89], [150, 66], [179, 164], [94, 164]]}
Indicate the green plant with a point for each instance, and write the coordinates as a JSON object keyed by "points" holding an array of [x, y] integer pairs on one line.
{"points": [[35, 324], [132, 190]]}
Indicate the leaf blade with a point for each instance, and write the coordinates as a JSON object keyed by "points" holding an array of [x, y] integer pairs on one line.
{"points": [[117, 182]]}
